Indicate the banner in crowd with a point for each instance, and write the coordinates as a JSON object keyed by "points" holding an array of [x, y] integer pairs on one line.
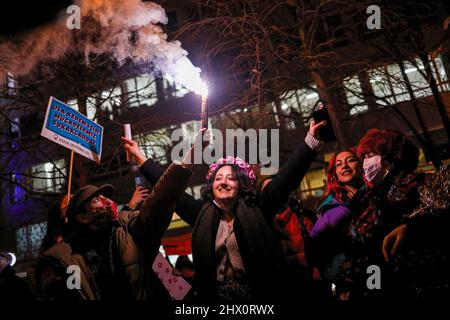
{"points": [[73, 130], [176, 286]]}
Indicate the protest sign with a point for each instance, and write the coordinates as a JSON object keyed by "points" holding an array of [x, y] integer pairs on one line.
{"points": [[73, 130], [176, 286]]}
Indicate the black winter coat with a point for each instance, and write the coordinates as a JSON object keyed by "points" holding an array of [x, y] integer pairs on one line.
{"points": [[261, 252]]}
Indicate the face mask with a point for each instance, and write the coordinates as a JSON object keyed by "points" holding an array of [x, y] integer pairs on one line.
{"points": [[113, 206], [373, 170]]}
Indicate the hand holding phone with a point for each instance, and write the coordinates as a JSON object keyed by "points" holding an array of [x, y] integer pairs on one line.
{"points": [[326, 133]]}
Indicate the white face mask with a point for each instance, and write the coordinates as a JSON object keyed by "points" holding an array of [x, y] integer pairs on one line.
{"points": [[373, 170]]}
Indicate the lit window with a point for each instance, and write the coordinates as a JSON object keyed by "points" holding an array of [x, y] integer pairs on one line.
{"points": [[388, 84], [379, 80], [91, 107], [22, 242], [172, 89], [36, 233], [49, 177], [29, 240], [146, 90], [155, 145], [353, 91], [302, 100], [288, 111], [296, 104], [132, 97], [397, 84], [141, 91], [313, 184], [110, 100], [73, 103], [440, 74], [418, 83]]}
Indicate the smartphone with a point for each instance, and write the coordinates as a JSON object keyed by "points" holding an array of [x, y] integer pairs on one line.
{"points": [[326, 133], [140, 181]]}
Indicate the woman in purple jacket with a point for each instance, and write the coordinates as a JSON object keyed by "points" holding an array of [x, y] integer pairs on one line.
{"points": [[344, 179]]}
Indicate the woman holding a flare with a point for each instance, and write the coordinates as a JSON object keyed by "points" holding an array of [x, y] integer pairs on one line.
{"points": [[236, 254]]}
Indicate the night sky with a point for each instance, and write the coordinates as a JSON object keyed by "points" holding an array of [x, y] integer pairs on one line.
{"points": [[21, 16]]}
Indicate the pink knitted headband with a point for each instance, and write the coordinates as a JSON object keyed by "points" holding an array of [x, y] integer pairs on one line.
{"points": [[232, 160]]}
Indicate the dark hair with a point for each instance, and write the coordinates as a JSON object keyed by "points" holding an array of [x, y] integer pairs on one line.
{"points": [[246, 188], [333, 185], [56, 221], [393, 145]]}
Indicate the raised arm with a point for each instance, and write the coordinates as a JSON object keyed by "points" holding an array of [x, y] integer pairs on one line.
{"points": [[186, 206], [148, 227], [277, 192]]}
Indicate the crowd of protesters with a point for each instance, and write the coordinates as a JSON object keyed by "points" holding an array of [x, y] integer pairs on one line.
{"points": [[255, 241]]}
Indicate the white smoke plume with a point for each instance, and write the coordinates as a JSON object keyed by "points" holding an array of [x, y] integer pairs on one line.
{"points": [[123, 29]]}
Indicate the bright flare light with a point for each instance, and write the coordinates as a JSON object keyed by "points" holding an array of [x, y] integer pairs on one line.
{"points": [[189, 76]]}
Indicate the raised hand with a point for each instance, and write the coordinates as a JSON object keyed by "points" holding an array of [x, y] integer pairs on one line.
{"points": [[133, 148], [314, 128], [139, 195]]}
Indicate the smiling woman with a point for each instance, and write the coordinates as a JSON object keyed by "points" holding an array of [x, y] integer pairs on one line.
{"points": [[344, 175], [225, 187], [236, 253], [348, 171], [344, 178], [227, 181]]}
